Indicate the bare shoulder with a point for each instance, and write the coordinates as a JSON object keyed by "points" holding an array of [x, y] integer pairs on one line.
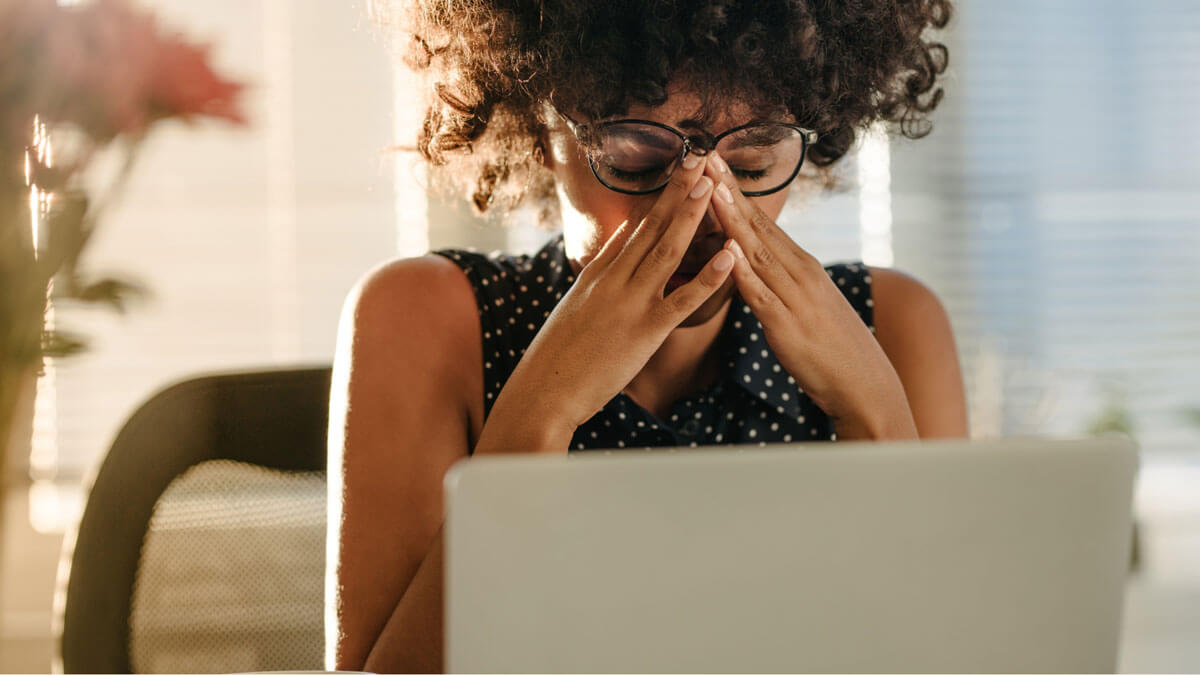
{"points": [[914, 330], [902, 303], [410, 328], [430, 287]]}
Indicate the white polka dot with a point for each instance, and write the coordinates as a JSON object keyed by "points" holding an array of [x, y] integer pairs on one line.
{"points": [[745, 378], [774, 426], [764, 353], [754, 337], [754, 365], [787, 438], [769, 382], [753, 433]]}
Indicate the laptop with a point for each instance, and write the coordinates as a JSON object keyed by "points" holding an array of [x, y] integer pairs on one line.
{"points": [[936, 556]]}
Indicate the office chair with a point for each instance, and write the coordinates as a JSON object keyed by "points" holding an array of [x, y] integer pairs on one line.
{"points": [[201, 548]]}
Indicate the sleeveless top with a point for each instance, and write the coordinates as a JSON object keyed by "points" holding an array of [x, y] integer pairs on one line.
{"points": [[754, 400]]}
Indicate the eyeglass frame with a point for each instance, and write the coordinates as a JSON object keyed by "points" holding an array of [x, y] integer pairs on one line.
{"points": [[583, 132]]}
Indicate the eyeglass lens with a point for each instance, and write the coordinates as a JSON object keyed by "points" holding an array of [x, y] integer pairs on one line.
{"points": [[636, 157]]}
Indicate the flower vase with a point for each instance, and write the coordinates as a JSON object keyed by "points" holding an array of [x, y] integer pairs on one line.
{"points": [[22, 310]]}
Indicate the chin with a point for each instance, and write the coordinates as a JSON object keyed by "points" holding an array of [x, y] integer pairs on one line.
{"points": [[711, 307]]}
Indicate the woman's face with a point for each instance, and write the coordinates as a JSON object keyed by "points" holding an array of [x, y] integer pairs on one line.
{"points": [[592, 212]]}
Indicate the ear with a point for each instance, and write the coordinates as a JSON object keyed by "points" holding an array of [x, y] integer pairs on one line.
{"points": [[541, 154]]}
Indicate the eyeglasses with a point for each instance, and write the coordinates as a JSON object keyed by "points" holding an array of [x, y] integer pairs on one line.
{"points": [[638, 156]]}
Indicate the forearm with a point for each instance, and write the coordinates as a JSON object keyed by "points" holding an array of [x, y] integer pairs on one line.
{"points": [[412, 638], [887, 419], [411, 641]]}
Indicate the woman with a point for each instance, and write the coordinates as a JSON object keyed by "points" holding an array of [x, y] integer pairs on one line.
{"points": [[664, 136]]}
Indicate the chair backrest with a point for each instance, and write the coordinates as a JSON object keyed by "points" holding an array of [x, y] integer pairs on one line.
{"points": [[252, 446]]}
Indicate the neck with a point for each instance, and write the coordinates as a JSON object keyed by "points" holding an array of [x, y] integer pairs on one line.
{"points": [[687, 362]]}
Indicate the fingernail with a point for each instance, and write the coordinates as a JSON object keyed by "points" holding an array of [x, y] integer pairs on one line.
{"points": [[701, 188], [736, 248], [722, 262], [724, 193], [691, 161], [721, 163]]}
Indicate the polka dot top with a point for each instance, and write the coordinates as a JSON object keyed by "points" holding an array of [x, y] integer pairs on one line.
{"points": [[754, 400]]}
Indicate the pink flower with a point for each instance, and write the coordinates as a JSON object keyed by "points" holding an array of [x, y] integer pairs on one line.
{"points": [[105, 66], [182, 84]]}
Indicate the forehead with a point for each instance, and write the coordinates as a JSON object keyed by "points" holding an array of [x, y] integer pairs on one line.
{"points": [[686, 109]]}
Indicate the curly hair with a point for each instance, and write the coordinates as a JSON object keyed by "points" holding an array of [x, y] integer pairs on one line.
{"points": [[837, 66]]}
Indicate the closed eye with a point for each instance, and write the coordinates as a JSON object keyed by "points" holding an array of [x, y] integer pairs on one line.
{"points": [[634, 175], [749, 174]]}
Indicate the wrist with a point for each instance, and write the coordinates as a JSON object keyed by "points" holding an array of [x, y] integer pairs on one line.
{"points": [[892, 425], [517, 424]]}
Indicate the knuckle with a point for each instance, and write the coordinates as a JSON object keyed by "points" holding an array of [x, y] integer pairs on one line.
{"points": [[762, 256], [760, 222], [665, 252], [679, 302]]}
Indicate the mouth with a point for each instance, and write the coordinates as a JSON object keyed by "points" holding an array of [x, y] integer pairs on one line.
{"points": [[694, 260], [678, 279]]}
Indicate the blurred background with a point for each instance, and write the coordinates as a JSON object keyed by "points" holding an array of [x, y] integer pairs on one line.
{"points": [[1054, 209]]}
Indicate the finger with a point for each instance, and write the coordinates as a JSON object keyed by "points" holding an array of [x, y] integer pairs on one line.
{"points": [[767, 228], [759, 249], [664, 258], [688, 297], [763, 301], [613, 246], [660, 215]]}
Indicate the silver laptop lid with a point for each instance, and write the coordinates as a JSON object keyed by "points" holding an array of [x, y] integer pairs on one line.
{"points": [[1004, 556]]}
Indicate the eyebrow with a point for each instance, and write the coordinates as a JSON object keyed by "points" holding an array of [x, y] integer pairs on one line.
{"points": [[649, 138], [767, 135]]}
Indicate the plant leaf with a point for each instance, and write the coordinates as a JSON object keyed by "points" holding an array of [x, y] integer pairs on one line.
{"points": [[112, 291], [57, 343]]}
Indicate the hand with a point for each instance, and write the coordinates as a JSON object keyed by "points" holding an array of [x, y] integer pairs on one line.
{"points": [[815, 333], [615, 316]]}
